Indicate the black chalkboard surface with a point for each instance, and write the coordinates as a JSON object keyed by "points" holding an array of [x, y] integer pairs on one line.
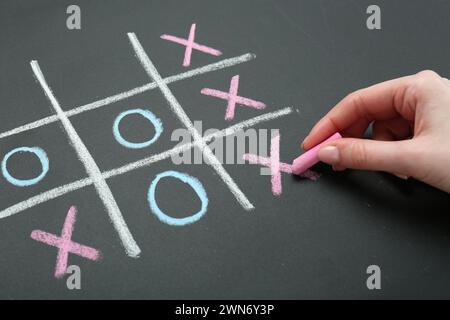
{"points": [[63, 91]]}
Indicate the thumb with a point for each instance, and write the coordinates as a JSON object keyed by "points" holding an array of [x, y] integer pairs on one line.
{"points": [[390, 156]]}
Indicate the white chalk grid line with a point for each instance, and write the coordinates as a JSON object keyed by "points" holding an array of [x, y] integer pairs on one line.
{"points": [[98, 178]]}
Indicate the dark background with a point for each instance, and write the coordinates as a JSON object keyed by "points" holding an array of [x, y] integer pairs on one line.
{"points": [[315, 241]]}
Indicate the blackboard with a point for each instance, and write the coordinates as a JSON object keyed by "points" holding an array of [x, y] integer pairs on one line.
{"points": [[315, 240]]}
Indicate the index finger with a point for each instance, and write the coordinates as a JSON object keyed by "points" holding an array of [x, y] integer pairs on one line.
{"points": [[378, 102]]}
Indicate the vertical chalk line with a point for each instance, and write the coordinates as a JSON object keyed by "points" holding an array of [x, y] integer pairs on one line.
{"points": [[92, 169], [79, 184], [132, 92], [182, 116]]}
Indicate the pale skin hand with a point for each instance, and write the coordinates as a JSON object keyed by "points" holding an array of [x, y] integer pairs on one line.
{"points": [[411, 129]]}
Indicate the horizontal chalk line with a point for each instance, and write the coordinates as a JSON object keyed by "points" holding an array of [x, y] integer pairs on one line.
{"points": [[127, 94], [79, 184]]}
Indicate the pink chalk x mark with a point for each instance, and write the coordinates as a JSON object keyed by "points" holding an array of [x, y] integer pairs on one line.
{"points": [[190, 44], [310, 157], [276, 167], [233, 98], [65, 244]]}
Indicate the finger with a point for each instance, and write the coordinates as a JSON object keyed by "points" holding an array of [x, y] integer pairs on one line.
{"points": [[392, 156], [392, 129], [381, 133], [357, 129], [379, 102], [354, 131]]}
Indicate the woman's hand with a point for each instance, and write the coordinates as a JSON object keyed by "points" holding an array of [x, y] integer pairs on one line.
{"points": [[411, 129]]}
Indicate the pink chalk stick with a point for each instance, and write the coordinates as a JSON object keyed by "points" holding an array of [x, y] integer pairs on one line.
{"points": [[276, 166], [310, 157]]}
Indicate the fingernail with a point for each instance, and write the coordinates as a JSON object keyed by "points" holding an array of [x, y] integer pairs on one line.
{"points": [[329, 155], [401, 176], [338, 168], [303, 143]]}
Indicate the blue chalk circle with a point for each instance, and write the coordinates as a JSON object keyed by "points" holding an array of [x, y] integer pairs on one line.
{"points": [[26, 182], [157, 124], [193, 183]]}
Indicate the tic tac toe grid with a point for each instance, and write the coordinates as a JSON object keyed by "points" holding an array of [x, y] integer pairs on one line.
{"points": [[98, 178]]}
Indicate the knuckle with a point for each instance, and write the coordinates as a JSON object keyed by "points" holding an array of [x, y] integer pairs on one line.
{"points": [[406, 98], [353, 97], [356, 99], [415, 162], [421, 85], [404, 94], [358, 155], [427, 75]]}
